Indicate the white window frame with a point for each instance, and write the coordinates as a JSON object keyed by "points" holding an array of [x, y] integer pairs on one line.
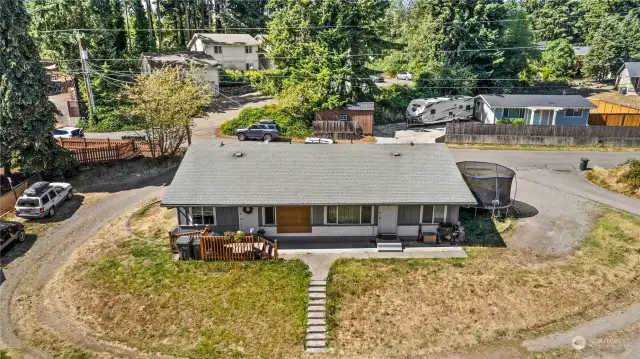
{"points": [[248, 49], [348, 224], [275, 217], [189, 214], [573, 110], [217, 49], [433, 212]]}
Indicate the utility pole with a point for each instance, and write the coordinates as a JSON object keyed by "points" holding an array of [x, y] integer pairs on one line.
{"points": [[87, 80]]}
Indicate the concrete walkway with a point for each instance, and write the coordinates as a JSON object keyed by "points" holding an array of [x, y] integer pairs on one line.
{"points": [[585, 331]]}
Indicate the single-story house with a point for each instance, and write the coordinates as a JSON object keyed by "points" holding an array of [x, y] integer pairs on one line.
{"points": [[358, 113], [628, 78], [232, 51], [207, 67], [534, 109], [297, 190]]}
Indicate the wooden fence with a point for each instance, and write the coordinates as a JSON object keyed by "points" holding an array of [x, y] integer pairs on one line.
{"points": [[341, 130], [614, 119], [623, 136], [8, 199], [608, 107], [97, 154], [542, 130]]}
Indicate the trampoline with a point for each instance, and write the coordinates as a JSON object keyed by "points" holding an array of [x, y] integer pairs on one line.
{"points": [[490, 184]]}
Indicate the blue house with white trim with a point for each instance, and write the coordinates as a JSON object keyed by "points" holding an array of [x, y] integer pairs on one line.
{"points": [[534, 109]]}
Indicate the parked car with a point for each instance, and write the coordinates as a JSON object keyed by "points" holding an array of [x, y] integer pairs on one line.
{"points": [[10, 232], [405, 75], [266, 130], [42, 199], [316, 140], [376, 78], [68, 132]]}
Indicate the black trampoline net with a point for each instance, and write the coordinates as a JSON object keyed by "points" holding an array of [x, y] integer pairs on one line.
{"points": [[490, 183]]}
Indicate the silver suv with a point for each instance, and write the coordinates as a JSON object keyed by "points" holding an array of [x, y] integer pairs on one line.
{"points": [[266, 130], [42, 198]]}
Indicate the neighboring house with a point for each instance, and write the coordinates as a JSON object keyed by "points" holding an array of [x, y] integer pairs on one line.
{"points": [[299, 190], [628, 78], [359, 115], [205, 66], [534, 109], [263, 49], [232, 51]]}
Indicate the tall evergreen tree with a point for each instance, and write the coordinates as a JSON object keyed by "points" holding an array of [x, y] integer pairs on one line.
{"points": [[117, 17], [609, 49], [143, 41], [27, 117], [557, 19]]}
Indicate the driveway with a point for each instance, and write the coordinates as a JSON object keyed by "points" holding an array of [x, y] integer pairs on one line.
{"points": [[21, 296], [397, 133], [560, 203], [225, 108]]}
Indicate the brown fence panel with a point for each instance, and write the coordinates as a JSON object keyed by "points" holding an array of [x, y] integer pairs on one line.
{"points": [[8, 199], [546, 130], [608, 107], [219, 248]]}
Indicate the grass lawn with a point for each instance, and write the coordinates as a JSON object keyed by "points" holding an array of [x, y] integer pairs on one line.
{"points": [[132, 291], [379, 308], [488, 146], [624, 178]]}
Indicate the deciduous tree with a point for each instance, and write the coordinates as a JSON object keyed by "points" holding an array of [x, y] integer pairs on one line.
{"points": [[166, 102], [559, 59]]}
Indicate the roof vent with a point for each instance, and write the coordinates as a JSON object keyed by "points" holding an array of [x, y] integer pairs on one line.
{"points": [[396, 154], [221, 144], [238, 154]]}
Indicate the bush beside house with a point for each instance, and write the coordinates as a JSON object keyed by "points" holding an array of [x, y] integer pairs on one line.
{"points": [[290, 125]]}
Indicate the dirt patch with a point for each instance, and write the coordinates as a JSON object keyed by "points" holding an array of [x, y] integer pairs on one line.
{"points": [[378, 308]]}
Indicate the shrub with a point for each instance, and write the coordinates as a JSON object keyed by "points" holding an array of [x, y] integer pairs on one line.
{"points": [[290, 125], [632, 176], [508, 121]]}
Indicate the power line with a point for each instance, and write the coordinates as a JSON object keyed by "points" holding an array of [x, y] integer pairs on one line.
{"points": [[208, 30]]}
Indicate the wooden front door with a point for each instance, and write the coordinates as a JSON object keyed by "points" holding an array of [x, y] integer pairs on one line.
{"points": [[293, 219]]}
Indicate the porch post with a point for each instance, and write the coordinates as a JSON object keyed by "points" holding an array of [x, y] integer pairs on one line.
{"points": [[555, 112]]}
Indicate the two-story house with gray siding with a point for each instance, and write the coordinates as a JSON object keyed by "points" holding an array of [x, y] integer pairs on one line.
{"points": [[534, 109], [292, 190], [232, 51]]}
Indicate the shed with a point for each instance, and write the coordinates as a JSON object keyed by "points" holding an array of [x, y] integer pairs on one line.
{"points": [[354, 117]]}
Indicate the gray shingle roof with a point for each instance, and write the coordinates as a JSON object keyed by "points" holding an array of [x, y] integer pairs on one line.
{"points": [[227, 39], [359, 106], [179, 58], [565, 101], [634, 68], [297, 174]]}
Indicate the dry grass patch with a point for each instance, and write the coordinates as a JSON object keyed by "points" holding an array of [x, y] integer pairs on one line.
{"points": [[497, 295], [152, 221], [131, 290], [624, 178], [497, 146]]}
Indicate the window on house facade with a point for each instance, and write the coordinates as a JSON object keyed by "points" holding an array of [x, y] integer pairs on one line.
{"points": [[217, 49], [434, 213], [202, 215], [249, 66], [570, 112], [433, 111], [513, 113], [269, 215], [248, 49], [349, 214], [468, 107]]}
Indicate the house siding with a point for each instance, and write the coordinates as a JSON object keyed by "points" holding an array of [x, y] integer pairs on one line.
{"points": [[317, 215], [408, 215], [583, 120]]}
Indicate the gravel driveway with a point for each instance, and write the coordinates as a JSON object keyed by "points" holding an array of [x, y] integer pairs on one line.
{"points": [[26, 276]]}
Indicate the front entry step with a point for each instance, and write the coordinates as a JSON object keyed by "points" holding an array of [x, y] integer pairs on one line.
{"points": [[389, 246]]}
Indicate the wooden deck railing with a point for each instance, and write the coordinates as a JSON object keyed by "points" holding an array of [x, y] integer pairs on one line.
{"points": [[221, 248]]}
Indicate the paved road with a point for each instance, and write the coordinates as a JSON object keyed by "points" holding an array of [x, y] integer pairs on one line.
{"points": [[27, 275], [559, 170]]}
